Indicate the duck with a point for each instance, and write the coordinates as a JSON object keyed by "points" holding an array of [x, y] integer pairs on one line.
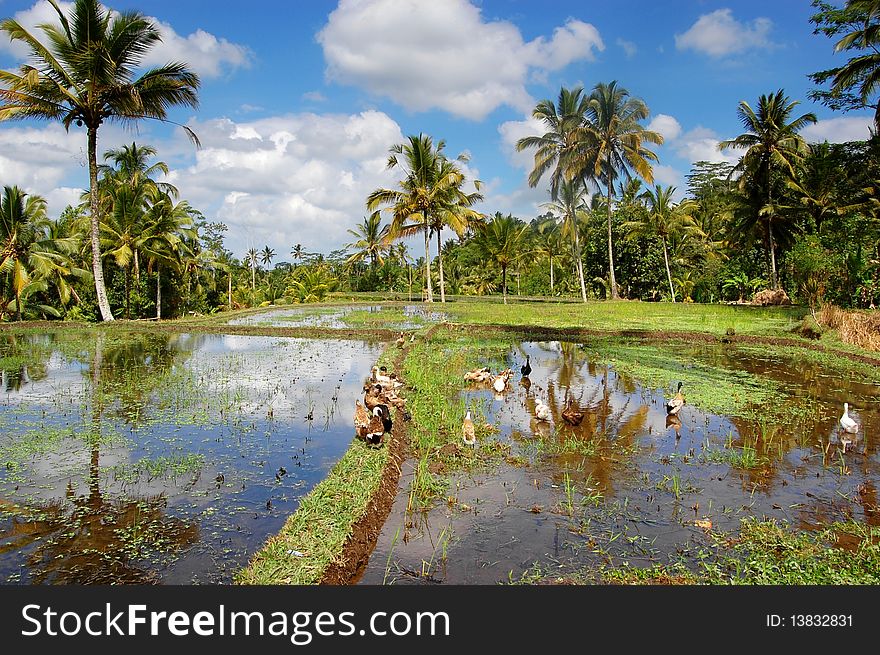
{"points": [[479, 375], [674, 404], [400, 341], [526, 368], [571, 415], [373, 396], [672, 421], [542, 412], [467, 430], [361, 419], [376, 428], [499, 382], [847, 422]]}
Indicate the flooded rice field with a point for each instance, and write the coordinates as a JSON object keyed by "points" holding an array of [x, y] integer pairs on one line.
{"points": [[406, 317], [631, 485], [163, 459]]}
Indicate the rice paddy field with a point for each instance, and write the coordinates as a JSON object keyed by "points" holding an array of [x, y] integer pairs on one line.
{"points": [[222, 450]]}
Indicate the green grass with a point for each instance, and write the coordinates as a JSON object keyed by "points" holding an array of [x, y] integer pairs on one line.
{"points": [[313, 537], [627, 315], [715, 389], [765, 552]]}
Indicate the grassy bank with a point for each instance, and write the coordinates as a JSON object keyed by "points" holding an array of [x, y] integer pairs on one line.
{"points": [[314, 536]]}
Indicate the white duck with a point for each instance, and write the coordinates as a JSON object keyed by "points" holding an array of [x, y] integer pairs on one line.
{"points": [[467, 430], [847, 422], [542, 412]]}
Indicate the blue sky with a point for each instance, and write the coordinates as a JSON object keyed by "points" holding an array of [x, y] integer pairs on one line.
{"points": [[300, 101]]}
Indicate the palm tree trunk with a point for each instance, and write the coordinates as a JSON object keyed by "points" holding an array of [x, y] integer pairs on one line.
{"points": [[430, 297], [668, 273], [440, 260], [551, 277], [504, 282], [611, 279], [579, 264], [253, 277], [230, 291], [97, 268], [774, 280], [158, 294], [128, 292], [137, 268]]}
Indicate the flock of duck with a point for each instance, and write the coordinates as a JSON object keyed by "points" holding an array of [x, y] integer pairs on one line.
{"points": [[372, 419]]}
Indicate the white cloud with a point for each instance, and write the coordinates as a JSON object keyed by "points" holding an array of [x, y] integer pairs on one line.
{"points": [[513, 131], [630, 49], [667, 176], [719, 33], [314, 96], [666, 125], [206, 54], [300, 178], [701, 144], [430, 55], [839, 130]]}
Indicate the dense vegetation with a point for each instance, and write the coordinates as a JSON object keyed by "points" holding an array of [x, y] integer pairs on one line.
{"points": [[790, 214]]}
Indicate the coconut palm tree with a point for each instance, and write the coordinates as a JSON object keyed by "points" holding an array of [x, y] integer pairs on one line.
{"points": [[571, 209], [773, 148], [862, 72], [298, 252], [562, 140], [501, 241], [662, 220], [30, 256], [83, 76], [251, 257], [170, 229], [429, 195], [372, 241], [454, 211], [550, 246], [612, 147]]}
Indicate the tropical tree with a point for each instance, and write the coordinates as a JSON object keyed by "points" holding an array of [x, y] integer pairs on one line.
{"points": [[83, 76], [571, 208], [773, 148], [30, 258], [372, 241], [298, 252], [267, 254], [454, 210], [854, 85], [252, 256], [501, 241], [662, 220], [429, 195], [550, 246], [612, 146], [166, 239], [561, 142]]}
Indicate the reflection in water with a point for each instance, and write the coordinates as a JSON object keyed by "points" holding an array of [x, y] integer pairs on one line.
{"points": [[629, 482], [333, 317], [155, 458]]}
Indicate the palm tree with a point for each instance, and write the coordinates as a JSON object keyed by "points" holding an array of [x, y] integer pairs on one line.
{"points": [[428, 194], [454, 211], [251, 257], [561, 142], [83, 77], [501, 240], [372, 241], [863, 71], [165, 239], [30, 257], [663, 219], [773, 147], [571, 208], [267, 254], [560, 148], [550, 246], [297, 252], [612, 147]]}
